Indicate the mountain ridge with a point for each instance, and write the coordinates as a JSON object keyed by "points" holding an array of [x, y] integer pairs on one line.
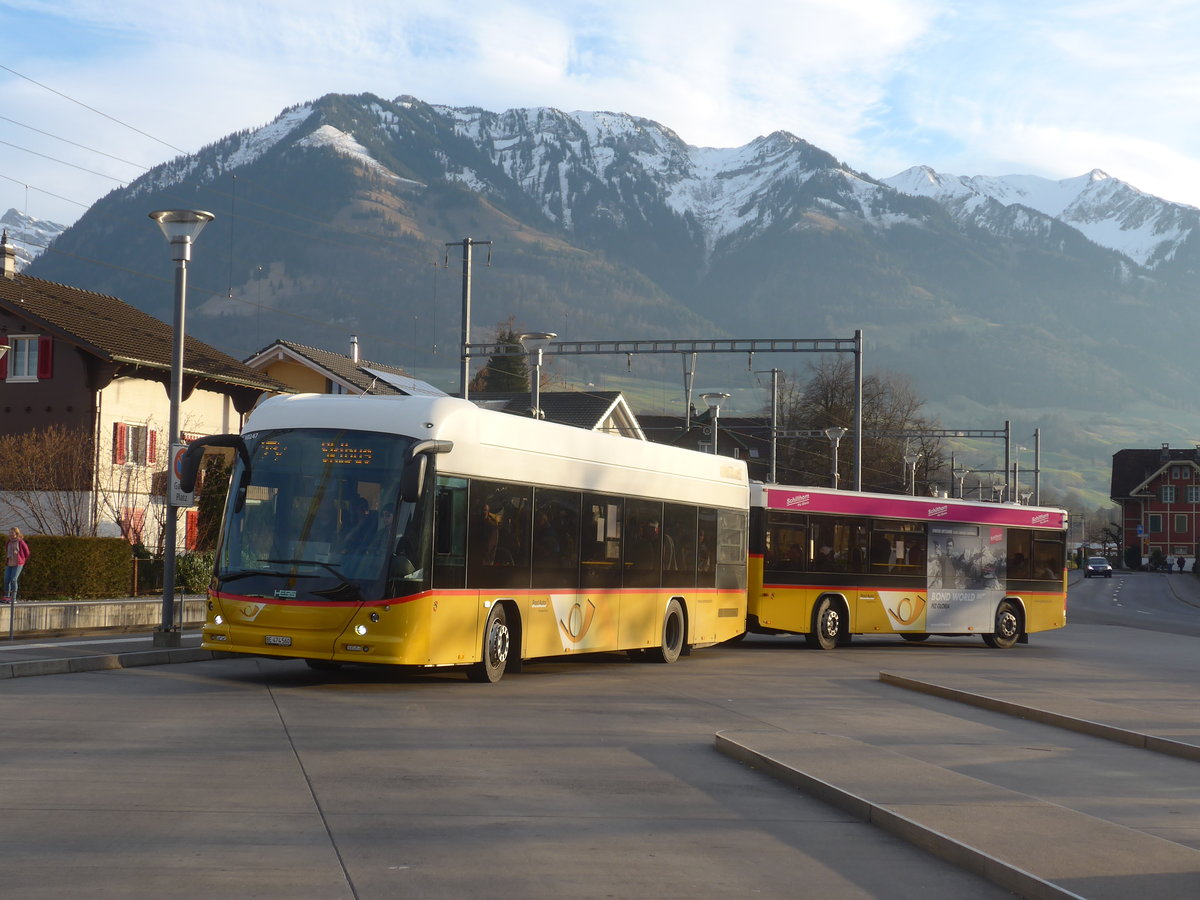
{"points": [[330, 217]]}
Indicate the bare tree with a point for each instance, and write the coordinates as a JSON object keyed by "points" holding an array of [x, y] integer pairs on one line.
{"points": [[893, 427], [46, 480]]}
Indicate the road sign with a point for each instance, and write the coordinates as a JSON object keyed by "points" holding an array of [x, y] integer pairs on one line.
{"points": [[177, 497]]}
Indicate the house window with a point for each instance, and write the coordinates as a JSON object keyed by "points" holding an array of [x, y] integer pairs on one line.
{"points": [[1168, 493], [29, 358], [1193, 493], [133, 445], [1175, 473], [1155, 523], [335, 388], [132, 524], [1181, 524]]}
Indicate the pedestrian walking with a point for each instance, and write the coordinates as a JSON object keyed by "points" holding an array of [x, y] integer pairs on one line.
{"points": [[16, 554]]}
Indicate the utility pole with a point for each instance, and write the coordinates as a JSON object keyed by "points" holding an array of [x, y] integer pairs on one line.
{"points": [[466, 244]]}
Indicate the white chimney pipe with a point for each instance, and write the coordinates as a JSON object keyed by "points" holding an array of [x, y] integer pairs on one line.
{"points": [[354, 348]]}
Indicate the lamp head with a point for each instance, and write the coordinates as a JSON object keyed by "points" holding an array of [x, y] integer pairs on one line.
{"points": [[714, 398], [181, 227], [835, 433], [534, 341]]}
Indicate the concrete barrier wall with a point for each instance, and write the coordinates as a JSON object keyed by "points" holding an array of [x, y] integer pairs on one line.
{"points": [[84, 616]]}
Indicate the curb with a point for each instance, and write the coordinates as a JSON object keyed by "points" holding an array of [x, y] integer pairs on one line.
{"points": [[133, 659], [1126, 736], [971, 859]]}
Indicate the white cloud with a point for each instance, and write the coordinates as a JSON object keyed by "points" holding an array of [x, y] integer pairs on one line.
{"points": [[987, 87]]}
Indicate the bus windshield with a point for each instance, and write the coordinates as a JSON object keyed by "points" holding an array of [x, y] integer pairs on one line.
{"points": [[318, 517]]}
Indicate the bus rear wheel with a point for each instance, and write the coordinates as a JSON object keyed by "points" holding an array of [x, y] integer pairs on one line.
{"points": [[672, 635], [1007, 628], [496, 645], [827, 625]]}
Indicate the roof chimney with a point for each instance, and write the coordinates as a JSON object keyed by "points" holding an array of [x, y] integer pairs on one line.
{"points": [[9, 254], [354, 348]]}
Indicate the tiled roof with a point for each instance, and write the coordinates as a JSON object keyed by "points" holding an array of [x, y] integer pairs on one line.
{"points": [[114, 331], [344, 368], [1132, 468], [583, 409]]}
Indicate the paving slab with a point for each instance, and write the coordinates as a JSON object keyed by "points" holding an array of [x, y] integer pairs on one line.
{"points": [[1033, 847]]}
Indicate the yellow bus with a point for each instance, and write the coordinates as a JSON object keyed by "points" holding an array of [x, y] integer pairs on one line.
{"points": [[831, 564], [426, 531]]}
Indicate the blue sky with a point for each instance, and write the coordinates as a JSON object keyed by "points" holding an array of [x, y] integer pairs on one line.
{"points": [[989, 87]]}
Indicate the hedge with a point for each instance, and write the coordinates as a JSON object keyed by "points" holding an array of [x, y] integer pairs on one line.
{"points": [[75, 568], [78, 568]]}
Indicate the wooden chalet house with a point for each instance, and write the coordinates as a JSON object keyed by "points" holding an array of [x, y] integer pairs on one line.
{"points": [[1159, 495], [100, 368]]}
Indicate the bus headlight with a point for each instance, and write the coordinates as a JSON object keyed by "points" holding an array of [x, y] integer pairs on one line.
{"points": [[360, 629], [218, 620]]}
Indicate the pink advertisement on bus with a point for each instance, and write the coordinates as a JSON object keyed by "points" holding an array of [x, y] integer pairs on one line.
{"points": [[930, 509]]}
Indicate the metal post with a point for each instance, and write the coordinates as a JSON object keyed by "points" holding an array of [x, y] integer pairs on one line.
{"points": [[858, 402], [181, 227], [1037, 467], [774, 424], [465, 373], [835, 435], [1007, 457]]}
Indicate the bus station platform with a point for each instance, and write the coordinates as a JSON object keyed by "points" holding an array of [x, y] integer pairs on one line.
{"points": [[1035, 848]]}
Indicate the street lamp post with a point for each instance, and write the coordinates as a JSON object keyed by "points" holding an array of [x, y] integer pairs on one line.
{"points": [[181, 227], [835, 435], [961, 472], [713, 399], [534, 343], [910, 462]]}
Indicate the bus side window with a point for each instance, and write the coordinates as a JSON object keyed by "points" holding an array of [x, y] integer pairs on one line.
{"points": [[1019, 553], [823, 531], [450, 531], [786, 543], [731, 549], [679, 548], [555, 539], [600, 542], [706, 548], [643, 543], [498, 535], [1049, 557]]}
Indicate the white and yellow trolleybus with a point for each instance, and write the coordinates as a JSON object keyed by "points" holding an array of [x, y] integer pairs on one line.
{"points": [[425, 531]]}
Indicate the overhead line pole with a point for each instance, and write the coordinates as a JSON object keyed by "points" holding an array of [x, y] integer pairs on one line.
{"points": [[466, 244]]}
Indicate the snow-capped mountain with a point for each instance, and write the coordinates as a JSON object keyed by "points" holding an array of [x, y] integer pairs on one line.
{"points": [[29, 236], [1106, 210], [608, 225]]}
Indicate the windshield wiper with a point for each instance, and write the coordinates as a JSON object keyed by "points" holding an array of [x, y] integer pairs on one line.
{"points": [[243, 573], [347, 586]]}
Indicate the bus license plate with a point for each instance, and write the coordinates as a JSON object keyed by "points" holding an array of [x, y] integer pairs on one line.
{"points": [[278, 640]]}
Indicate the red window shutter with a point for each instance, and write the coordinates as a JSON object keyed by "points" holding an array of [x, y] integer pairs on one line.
{"points": [[4, 361], [118, 443], [193, 529], [152, 448], [45, 356]]}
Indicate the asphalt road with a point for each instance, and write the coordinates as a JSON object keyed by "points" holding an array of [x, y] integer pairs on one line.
{"points": [[594, 777]]}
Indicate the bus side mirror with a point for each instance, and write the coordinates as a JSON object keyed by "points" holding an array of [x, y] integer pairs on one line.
{"points": [[412, 479], [189, 466]]}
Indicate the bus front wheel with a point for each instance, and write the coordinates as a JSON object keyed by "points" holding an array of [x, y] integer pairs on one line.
{"points": [[827, 625], [1008, 627], [496, 644], [672, 635]]}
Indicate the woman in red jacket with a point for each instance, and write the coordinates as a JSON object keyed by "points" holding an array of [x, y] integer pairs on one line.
{"points": [[15, 556]]}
